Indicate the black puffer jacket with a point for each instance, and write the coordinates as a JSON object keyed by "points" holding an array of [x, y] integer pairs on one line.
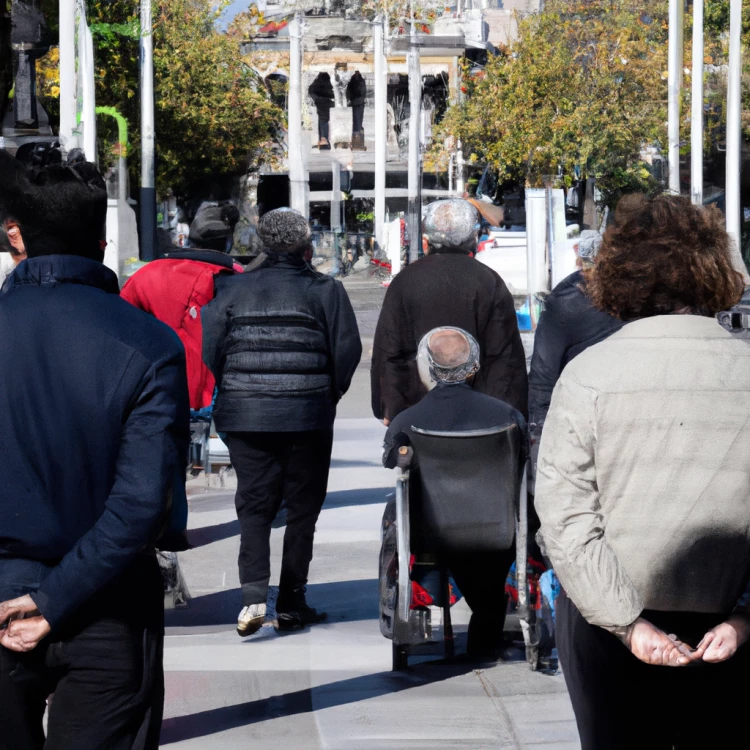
{"points": [[356, 90], [569, 325], [283, 343], [321, 91]]}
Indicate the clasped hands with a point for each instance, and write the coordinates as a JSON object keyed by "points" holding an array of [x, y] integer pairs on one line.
{"points": [[22, 626], [653, 646]]}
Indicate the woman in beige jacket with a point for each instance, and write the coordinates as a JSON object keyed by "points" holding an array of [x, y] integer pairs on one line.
{"points": [[643, 491]]}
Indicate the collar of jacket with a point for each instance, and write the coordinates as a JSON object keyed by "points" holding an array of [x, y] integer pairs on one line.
{"points": [[48, 270], [673, 327], [215, 257], [284, 260]]}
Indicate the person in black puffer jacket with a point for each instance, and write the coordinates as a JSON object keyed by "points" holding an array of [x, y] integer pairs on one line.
{"points": [[321, 92], [356, 95], [283, 343]]}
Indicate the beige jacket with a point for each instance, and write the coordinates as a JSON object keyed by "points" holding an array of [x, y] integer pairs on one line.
{"points": [[643, 485]]}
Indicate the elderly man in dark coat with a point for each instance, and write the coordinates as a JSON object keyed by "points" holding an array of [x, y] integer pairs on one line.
{"points": [[447, 288], [283, 343]]}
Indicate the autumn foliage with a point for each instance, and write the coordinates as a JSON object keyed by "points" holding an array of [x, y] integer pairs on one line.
{"points": [[581, 92]]}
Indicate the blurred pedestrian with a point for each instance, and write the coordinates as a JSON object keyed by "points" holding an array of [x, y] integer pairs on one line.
{"points": [[321, 92], [447, 287], [356, 96], [175, 288], [94, 424], [449, 359], [283, 344], [643, 490]]}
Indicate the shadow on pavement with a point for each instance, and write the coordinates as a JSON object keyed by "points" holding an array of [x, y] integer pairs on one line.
{"points": [[343, 601], [205, 535], [205, 723]]}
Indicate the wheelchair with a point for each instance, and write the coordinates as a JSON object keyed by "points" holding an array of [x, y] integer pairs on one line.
{"points": [[468, 492]]}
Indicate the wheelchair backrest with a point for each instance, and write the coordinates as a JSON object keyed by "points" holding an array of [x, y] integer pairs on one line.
{"points": [[470, 484]]}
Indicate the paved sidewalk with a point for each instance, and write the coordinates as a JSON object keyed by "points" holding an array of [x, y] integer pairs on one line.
{"points": [[331, 686]]}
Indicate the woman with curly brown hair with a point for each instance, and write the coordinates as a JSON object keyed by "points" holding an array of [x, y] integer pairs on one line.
{"points": [[643, 490]]}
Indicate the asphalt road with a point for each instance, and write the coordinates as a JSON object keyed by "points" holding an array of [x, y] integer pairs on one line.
{"points": [[331, 686]]}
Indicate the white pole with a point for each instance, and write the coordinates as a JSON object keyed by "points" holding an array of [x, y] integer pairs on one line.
{"points": [[67, 72], [734, 143], [415, 111], [381, 127], [88, 90], [537, 267], [696, 118], [676, 39], [297, 175], [148, 164]]}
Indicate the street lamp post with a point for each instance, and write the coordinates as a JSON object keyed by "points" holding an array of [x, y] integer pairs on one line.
{"points": [[67, 10], [734, 113], [381, 127], [676, 43], [295, 156], [148, 164], [696, 119], [415, 111]]}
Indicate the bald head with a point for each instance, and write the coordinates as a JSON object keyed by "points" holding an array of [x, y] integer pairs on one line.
{"points": [[449, 348], [447, 355], [451, 226]]}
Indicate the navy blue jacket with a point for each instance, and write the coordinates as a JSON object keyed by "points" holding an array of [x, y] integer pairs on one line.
{"points": [[569, 325], [94, 424]]}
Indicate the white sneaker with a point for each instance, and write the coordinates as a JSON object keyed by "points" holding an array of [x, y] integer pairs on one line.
{"points": [[251, 619]]}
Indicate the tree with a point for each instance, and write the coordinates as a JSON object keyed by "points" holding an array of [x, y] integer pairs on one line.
{"points": [[581, 92], [212, 118]]}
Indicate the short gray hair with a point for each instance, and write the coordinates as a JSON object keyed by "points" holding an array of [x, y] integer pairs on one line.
{"points": [[284, 230], [451, 225]]}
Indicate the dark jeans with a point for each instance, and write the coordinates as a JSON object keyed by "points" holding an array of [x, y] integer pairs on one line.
{"points": [[107, 678], [621, 703], [358, 116], [271, 467], [324, 119]]}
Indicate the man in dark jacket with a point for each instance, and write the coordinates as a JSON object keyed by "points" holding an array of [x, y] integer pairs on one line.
{"points": [[569, 325], [283, 343], [94, 422], [356, 95], [321, 92], [447, 288], [452, 405]]}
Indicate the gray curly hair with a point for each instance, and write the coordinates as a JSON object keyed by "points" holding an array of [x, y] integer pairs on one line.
{"points": [[284, 230]]}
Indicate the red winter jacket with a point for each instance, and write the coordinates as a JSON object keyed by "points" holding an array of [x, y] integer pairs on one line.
{"points": [[174, 289]]}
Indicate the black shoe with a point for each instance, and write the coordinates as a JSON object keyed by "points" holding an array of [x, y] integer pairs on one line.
{"points": [[293, 613]]}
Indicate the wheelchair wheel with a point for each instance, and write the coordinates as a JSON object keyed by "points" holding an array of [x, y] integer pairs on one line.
{"points": [[400, 657]]}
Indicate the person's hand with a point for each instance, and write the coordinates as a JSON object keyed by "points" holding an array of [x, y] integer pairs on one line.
{"points": [[722, 642], [386, 421], [22, 634], [653, 646]]}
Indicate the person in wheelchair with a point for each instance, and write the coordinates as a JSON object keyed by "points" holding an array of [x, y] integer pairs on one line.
{"points": [[448, 360]]}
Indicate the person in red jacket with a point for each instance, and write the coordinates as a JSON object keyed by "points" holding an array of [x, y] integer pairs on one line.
{"points": [[175, 288]]}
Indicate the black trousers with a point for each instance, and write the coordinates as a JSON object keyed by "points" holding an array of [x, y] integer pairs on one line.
{"points": [[481, 578], [271, 467], [106, 675], [621, 703], [358, 116]]}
